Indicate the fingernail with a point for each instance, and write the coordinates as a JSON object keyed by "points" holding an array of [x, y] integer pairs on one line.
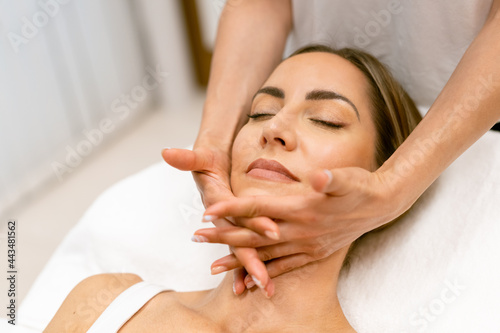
{"points": [[268, 290], [199, 239], [328, 173], [209, 218], [166, 148], [250, 284], [257, 282], [272, 234], [218, 269], [247, 280]]}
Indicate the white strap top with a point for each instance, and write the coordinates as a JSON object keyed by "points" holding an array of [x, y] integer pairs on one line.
{"points": [[125, 306]]}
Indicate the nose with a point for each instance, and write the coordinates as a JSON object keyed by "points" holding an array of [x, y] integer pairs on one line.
{"points": [[279, 132]]}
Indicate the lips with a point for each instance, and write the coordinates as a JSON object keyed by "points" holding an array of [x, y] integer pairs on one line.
{"points": [[270, 169]]}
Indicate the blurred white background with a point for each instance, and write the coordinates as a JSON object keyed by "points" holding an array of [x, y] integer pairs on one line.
{"points": [[91, 91]]}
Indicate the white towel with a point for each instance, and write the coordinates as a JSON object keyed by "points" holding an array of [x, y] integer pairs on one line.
{"points": [[434, 271]]}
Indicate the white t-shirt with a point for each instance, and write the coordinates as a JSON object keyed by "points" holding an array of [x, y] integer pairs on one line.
{"points": [[420, 41]]}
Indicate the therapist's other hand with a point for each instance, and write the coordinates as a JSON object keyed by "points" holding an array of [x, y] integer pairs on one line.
{"points": [[347, 203], [210, 169]]}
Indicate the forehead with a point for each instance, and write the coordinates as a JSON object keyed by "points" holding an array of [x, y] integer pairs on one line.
{"points": [[320, 70]]}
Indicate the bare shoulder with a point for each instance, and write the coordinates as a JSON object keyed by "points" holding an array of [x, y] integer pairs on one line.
{"points": [[172, 312], [88, 299]]}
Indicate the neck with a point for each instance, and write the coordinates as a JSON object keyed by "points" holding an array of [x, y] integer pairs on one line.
{"points": [[304, 299]]}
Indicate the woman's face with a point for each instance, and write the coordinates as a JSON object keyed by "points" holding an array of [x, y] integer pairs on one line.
{"points": [[312, 113]]}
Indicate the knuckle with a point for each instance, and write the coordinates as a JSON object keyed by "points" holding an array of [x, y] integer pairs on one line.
{"points": [[253, 206], [308, 233], [253, 241], [284, 266], [310, 248], [321, 251], [265, 255]]}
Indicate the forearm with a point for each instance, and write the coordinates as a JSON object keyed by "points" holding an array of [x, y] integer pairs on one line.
{"points": [[250, 41], [467, 107]]}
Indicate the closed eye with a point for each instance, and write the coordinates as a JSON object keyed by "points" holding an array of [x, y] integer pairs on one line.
{"points": [[259, 115], [327, 123]]}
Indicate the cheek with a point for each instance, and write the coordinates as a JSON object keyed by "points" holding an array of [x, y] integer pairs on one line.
{"points": [[244, 147], [363, 153], [348, 151]]}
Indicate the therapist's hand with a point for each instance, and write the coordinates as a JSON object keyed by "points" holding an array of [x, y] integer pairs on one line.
{"points": [[210, 168], [345, 204]]}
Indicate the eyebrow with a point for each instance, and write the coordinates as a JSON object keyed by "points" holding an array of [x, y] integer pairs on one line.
{"points": [[328, 94], [273, 91], [314, 95]]}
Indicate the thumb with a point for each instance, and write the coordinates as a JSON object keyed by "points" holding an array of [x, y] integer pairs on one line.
{"points": [[187, 160], [340, 181]]}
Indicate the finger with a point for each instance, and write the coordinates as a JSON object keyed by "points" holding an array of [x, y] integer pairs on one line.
{"points": [[232, 236], [265, 254], [321, 179], [271, 206], [238, 281], [283, 265], [256, 268], [342, 181], [228, 263], [262, 225], [188, 160], [268, 291], [211, 190], [227, 233], [222, 222]]}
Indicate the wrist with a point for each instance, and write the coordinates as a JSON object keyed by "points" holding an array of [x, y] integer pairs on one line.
{"points": [[403, 184], [398, 191], [219, 125]]}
